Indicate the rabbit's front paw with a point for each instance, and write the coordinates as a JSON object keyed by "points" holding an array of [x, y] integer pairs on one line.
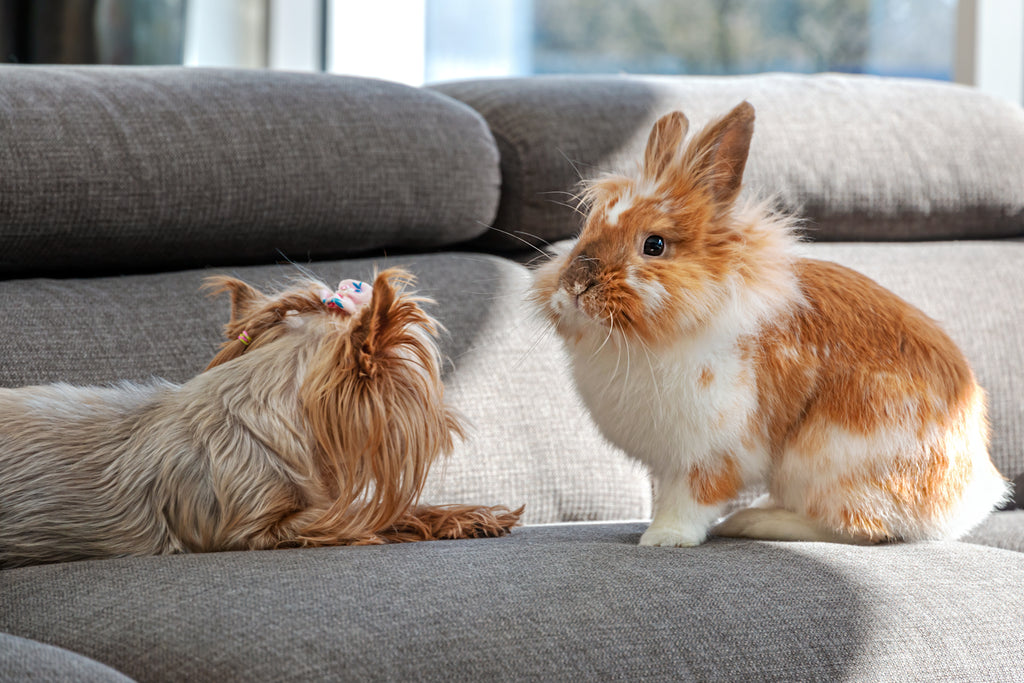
{"points": [[672, 537]]}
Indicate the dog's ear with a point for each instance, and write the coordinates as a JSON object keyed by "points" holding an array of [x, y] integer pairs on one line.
{"points": [[374, 402], [386, 322], [244, 298]]}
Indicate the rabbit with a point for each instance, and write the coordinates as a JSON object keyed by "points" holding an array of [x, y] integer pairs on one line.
{"points": [[708, 350], [315, 424]]}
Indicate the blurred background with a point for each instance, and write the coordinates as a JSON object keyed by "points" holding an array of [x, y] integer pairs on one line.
{"points": [[977, 42]]}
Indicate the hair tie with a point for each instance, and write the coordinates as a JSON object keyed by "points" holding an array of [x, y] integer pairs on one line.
{"points": [[350, 296], [333, 301], [244, 338]]}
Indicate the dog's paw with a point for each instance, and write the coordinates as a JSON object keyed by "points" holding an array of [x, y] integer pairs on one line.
{"points": [[672, 537]]}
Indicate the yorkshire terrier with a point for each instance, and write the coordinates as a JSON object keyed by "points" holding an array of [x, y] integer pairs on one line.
{"points": [[315, 424]]}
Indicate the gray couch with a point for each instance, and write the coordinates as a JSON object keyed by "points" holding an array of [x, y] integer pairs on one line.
{"points": [[121, 188]]}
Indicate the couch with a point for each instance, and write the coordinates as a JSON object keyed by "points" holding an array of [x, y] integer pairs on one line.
{"points": [[122, 188]]}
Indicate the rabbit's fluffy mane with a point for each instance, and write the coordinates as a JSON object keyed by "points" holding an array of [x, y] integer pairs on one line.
{"points": [[739, 255]]}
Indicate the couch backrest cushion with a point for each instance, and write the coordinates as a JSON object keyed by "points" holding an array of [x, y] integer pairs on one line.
{"points": [[126, 169], [861, 158]]}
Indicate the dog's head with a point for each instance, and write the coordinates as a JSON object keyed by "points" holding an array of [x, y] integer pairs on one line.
{"points": [[370, 391]]}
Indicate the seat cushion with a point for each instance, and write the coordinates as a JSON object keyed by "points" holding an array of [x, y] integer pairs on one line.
{"points": [[1001, 530], [859, 157], [28, 660], [547, 603], [115, 169], [530, 440]]}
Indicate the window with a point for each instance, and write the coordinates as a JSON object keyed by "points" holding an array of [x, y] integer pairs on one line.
{"points": [[978, 42], [446, 39], [971, 41]]}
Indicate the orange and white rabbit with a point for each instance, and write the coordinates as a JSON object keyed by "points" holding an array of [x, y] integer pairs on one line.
{"points": [[710, 352]]}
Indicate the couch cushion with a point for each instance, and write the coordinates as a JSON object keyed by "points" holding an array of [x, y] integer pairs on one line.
{"points": [[530, 441], [127, 169], [1001, 530], [860, 157], [548, 603], [28, 660]]}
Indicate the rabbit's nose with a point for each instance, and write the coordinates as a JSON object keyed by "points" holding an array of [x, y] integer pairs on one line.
{"points": [[577, 280], [579, 276], [577, 288]]}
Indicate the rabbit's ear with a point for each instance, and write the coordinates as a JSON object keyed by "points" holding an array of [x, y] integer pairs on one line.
{"points": [[722, 148], [664, 142]]}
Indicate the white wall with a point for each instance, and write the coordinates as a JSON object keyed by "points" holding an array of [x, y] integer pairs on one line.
{"points": [[294, 35], [990, 47], [228, 33], [378, 38]]}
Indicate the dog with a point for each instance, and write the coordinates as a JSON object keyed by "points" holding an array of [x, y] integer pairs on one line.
{"points": [[315, 424]]}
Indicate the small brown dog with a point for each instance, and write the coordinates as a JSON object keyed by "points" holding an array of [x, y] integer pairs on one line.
{"points": [[315, 424]]}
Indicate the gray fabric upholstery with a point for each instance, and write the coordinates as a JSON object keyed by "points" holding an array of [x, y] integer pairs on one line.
{"points": [[28, 660], [1001, 530], [859, 157], [548, 603], [529, 439], [127, 169], [111, 170]]}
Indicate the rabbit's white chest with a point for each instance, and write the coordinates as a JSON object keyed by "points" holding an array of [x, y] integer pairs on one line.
{"points": [[668, 410]]}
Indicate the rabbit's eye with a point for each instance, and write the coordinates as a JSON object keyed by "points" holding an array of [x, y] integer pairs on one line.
{"points": [[654, 246]]}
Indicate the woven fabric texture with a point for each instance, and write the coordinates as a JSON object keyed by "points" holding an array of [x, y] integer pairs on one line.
{"points": [[859, 157], [577, 602], [529, 439], [128, 169], [1001, 530]]}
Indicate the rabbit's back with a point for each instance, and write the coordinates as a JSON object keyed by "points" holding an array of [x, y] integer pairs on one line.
{"points": [[874, 422]]}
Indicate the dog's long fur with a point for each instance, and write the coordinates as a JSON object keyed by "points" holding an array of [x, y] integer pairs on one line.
{"points": [[320, 431]]}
